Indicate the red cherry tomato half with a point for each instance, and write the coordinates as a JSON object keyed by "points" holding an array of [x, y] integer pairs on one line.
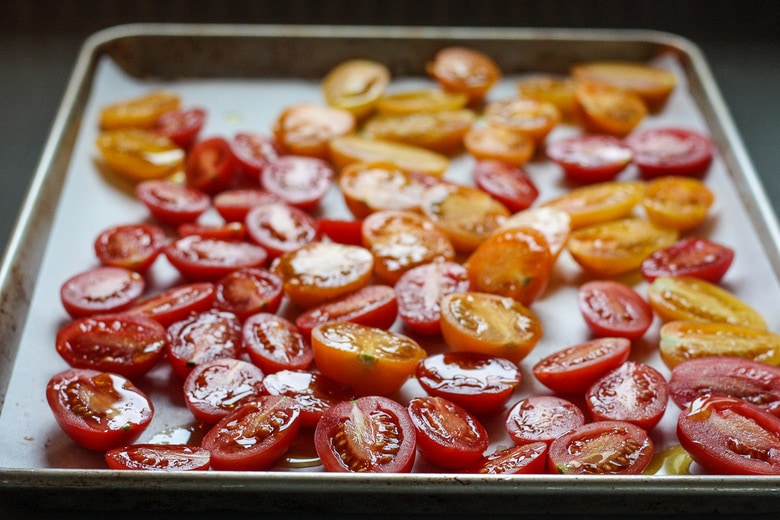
{"points": [[613, 309], [591, 158], [176, 303], [120, 343], [447, 435], [211, 165], [370, 434], [201, 338], [248, 291], [216, 388], [101, 290], [233, 205], [421, 289], [542, 418], [299, 181], [255, 435], [692, 256], [254, 151], [158, 457], [313, 392], [342, 231], [132, 246], [172, 203], [275, 343], [229, 231], [528, 458], [98, 410], [207, 259], [634, 392], [602, 448], [280, 228], [671, 151], [573, 369], [477, 382], [510, 185], [373, 305], [182, 125], [730, 436]]}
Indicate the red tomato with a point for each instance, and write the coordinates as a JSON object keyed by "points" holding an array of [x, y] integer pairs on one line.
{"points": [[248, 291], [255, 435], [634, 392], [214, 389], [182, 125], [348, 232], [368, 435], [299, 181], [421, 289], [211, 165], [373, 305], [753, 381], [233, 205], [230, 231], [602, 448], [542, 418], [254, 151], [313, 392], [132, 246], [101, 290], [98, 410], [573, 369], [274, 343], [176, 303], [692, 256], [591, 158], [525, 458], [207, 259], [447, 435], [158, 457], [613, 309], [119, 343], [202, 337], [671, 151], [172, 203], [477, 382], [728, 435], [510, 185], [280, 228]]}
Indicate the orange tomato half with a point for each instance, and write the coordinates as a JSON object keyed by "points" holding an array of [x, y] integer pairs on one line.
{"points": [[608, 110], [681, 203], [441, 131], [652, 84], [464, 70], [356, 86], [139, 154], [532, 118], [370, 187], [490, 142], [597, 203], [140, 112], [307, 128]]}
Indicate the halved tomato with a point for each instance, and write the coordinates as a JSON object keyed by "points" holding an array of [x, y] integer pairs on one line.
{"points": [[497, 143], [558, 90], [598, 203], [553, 223], [202, 337], [681, 203], [356, 85], [692, 256], [205, 259], [214, 389], [182, 125], [176, 303], [101, 290], [532, 118], [441, 131], [211, 165], [528, 458], [509, 185], [606, 109], [139, 154], [313, 392], [464, 70], [612, 309], [172, 203], [652, 84], [590, 158], [299, 181], [355, 148], [132, 246], [542, 418], [420, 100], [279, 228], [139, 112], [158, 457], [370, 187], [254, 151], [671, 151], [307, 128], [248, 291], [274, 343]]}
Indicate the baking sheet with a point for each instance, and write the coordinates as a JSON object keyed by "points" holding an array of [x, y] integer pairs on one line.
{"points": [[245, 95]]}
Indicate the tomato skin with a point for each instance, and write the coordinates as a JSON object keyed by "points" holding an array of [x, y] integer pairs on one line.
{"points": [[447, 435], [171, 203], [612, 309], [542, 418], [254, 151], [512, 187], [132, 246], [553, 223], [176, 303], [313, 392], [182, 125], [248, 291], [528, 458], [102, 290], [634, 392], [350, 433], [202, 337], [727, 435], [279, 228], [590, 158], [573, 369], [229, 231], [671, 151], [479, 383], [275, 343], [299, 181], [206, 259], [210, 165], [601, 447], [214, 389], [255, 435], [158, 457], [119, 343], [691, 256], [98, 410], [341, 231]]}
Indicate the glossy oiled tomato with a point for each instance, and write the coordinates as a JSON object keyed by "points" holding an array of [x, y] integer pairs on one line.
{"points": [[498, 143], [172, 203], [573, 369], [203, 337], [299, 181], [634, 392], [542, 418], [205, 259], [730, 436], [553, 223], [516, 263], [132, 246], [488, 323], [420, 100], [158, 457], [139, 154], [683, 340], [590, 158], [274, 343], [509, 185], [652, 84], [181, 126], [671, 151], [176, 303], [447, 435], [119, 343], [248, 291], [681, 203], [693, 299], [464, 70], [101, 290], [216, 388], [313, 392], [229, 231], [532, 118], [601, 448], [441, 131], [306, 128], [138, 112], [254, 151], [354, 148], [525, 458], [612, 308], [692, 256], [98, 410], [280, 228], [342, 231], [597, 203], [255, 435], [211, 165], [371, 434], [368, 359], [550, 89], [369, 187], [480, 383], [604, 109], [617, 247], [356, 85]]}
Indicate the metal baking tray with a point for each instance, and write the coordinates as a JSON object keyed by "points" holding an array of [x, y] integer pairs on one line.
{"points": [[262, 68]]}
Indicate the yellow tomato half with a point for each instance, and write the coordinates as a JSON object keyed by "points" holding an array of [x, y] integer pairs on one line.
{"points": [[356, 85], [598, 203], [353, 148], [139, 154], [681, 203], [140, 112]]}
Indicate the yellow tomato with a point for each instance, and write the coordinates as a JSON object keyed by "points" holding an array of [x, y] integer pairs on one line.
{"points": [[498, 143], [681, 203], [598, 203], [441, 131], [422, 100], [353, 148], [604, 109], [139, 154], [140, 112], [356, 85], [307, 128], [553, 223], [369, 187], [652, 84], [550, 89], [534, 119]]}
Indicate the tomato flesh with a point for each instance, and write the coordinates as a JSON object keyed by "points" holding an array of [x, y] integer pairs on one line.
{"points": [[214, 389], [132, 246], [172, 203], [253, 152], [211, 165], [591, 158], [203, 337], [279, 228], [182, 125], [542, 418], [101, 290], [275, 343], [299, 181], [248, 291]]}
